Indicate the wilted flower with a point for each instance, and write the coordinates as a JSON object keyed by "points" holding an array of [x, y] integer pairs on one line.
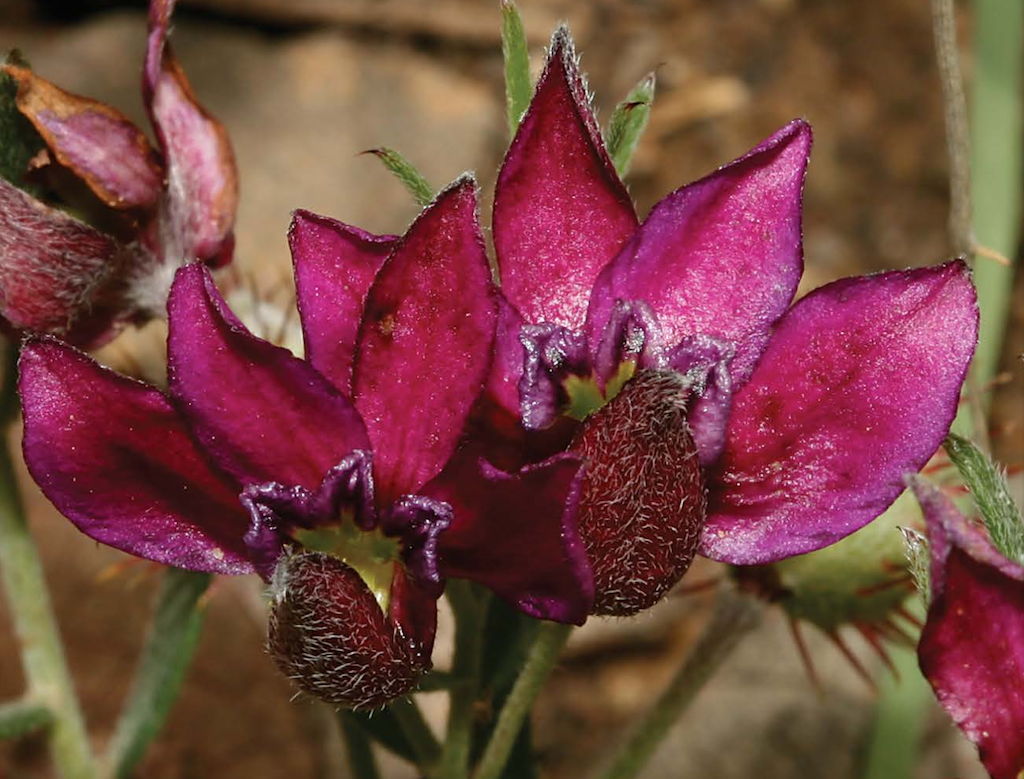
{"points": [[803, 418], [972, 645], [159, 208], [350, 506]]}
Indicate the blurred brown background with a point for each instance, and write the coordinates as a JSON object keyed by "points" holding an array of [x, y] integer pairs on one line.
{"points": [[303, 87]]}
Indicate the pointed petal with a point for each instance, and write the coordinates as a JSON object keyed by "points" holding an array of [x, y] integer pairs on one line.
{"points": [[721, 257], [516, 534], [202, 183], [972, 645], [117, 460], [261, 413], [509, 352], [50, 264], [98, 143], [424, 347], [857, 388], [560, 211], [334, 267]]}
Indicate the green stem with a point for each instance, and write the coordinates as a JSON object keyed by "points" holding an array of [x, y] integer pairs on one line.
{"points": [[20, 718], [165, 658], [42, 653], [361, 762], [415, 729], [735, 616], [469, 606], [540, 661]]}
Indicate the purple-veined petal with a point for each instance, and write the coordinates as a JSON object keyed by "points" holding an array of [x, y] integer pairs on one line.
{"points": [[116, 459], [720, 257], [857, 387], [198, 214], [424, 346], [51, 266], [972, 646], [262, 414], [560, 211], [335, 264], [98, 143], [516, 534]]}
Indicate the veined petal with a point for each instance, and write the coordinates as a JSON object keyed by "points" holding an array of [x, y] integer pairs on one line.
{"points": [[98, 143], [263, 414], [202, 183], [721, 257], [335, 264], [516, 534], [116, 459], [424, 346], [857, 387], [560, 211], [51, 265], [972, 646]]}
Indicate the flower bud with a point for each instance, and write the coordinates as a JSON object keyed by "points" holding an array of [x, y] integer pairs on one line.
{"points": [[330, 636], [643, 500]]}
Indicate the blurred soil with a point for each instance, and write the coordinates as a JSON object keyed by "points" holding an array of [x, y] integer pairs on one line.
{"points": [[303, 87]]}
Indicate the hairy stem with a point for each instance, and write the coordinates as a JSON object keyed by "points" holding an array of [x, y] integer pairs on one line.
{"points": [[469, 606], [735, 616], [20, 718], [540, 661]]}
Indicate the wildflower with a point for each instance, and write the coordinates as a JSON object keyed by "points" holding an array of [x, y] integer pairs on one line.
{"points": [[345, 500], [157, 208], [803, 418], [972, 646]]}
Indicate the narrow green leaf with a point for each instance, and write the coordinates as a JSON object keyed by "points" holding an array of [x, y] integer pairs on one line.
{"points": [[987, 483], [165, 658], [20, 718], [627, 123], [518, 87], [406, 172], [19, 141]]}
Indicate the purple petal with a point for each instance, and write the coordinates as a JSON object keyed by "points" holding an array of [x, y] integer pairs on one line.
{"points": [[334, 267], [632, 333], [98, 143], [261, 413], [516, 534], [507, 368], [704, 362], [551, 353], [418, 521], [972, 645], [51, 266], [719, 257], [560, 211], [424, 347], [202, 183], [117, 460], [858, 387]]}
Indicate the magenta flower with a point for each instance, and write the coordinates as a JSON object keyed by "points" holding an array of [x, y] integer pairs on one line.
{"points": [[338, 485], [160, 208], [972, 646], [803, 417]]}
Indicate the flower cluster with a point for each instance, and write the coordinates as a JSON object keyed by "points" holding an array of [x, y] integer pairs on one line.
{"points": [[630, 395], [157, 208]]}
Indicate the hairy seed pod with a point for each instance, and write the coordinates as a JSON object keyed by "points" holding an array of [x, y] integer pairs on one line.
{"points": [[643, 503], [330, 636]]}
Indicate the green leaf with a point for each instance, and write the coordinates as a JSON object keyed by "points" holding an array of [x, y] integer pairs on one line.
{"points": [[987, 483], [19, 141], [627, 123], [382, 726], [361, 762], [406, 172], [20, 718], [518, 86], [165, 658]]}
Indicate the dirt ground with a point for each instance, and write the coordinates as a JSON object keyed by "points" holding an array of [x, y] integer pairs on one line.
{"points": [[303, 87]]}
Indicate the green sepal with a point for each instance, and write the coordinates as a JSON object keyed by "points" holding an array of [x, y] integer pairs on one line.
{"points": [[166, 655], [987, 483], [627, 123], [19, 141], [518, 85], [405, 172]]}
